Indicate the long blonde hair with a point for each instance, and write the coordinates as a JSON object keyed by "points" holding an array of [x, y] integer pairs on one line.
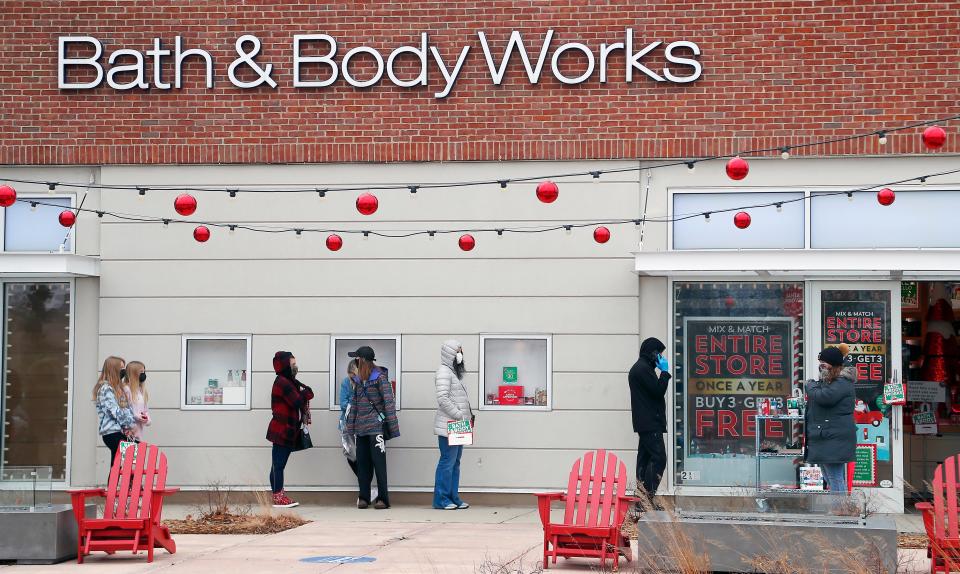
{"points": [[110, 375], [134, 368]]}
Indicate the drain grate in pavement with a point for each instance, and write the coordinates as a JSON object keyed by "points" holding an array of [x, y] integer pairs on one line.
{"points": [[338, 559]]}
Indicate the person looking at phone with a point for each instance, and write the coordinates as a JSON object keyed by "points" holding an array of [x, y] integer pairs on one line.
{"points": [[649, 410]]}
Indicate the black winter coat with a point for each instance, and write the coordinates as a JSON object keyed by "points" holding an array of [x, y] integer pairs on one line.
{"points": [[646, 395], [831, 430]]}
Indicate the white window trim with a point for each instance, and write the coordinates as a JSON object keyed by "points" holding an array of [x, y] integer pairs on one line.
{"points": [[482, 395], [336, 377], [40, 197], [58, 484], [807, 191], [183, 372]]}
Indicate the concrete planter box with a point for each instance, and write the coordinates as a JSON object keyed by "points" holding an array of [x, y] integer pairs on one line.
{"points": [[44, 535], [760, 542]]}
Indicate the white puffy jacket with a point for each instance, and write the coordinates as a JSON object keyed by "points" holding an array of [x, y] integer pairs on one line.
{"points": [[453, 403]]}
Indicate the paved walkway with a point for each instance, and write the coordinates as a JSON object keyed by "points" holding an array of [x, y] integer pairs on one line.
{"points": [[400, 540]]}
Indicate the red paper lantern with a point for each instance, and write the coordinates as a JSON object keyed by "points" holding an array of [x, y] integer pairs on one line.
{"points": [[934, 137], [334, 242], [8, 196], [886, 196], [185, 204], [67, 218], [367, 204], [467, 242], [601, 234], [201, 233], [548, 192], [737, 168], [742, 220]]}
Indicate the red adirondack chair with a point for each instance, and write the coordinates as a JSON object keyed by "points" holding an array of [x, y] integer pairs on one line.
{"points": [[941, 520], [595, 510], [134, 501]]}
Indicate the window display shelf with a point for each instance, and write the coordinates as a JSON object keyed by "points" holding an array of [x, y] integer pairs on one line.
{"points": [[780, 454], [516, 372], [215, 372]]}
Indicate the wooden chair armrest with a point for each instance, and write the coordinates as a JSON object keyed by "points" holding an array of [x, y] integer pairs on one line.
{"points": [[166, 491], [88, 492], [923, 506], [78, 499], [926, 511], [544, 500]]}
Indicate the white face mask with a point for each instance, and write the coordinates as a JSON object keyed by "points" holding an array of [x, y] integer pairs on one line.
{"points": [[459, 358]]}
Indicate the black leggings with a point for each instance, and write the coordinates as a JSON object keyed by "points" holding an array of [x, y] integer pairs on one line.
{"points": [[280, 456], [651, 461], [372, 458], [112, 441]]}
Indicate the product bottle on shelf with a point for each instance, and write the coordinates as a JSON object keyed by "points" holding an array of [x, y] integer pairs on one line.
{"points": [[243, 378], [230, 377]]}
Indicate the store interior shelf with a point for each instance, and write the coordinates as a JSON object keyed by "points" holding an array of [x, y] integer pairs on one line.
{"points": [[780, 454]]}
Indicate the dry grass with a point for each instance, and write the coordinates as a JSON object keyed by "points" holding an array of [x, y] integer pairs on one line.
{"points": [[221, 515]]}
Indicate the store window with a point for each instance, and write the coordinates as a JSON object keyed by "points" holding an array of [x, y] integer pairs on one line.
{"points": [[917, 219], [215, 372], [736, 343], [386, 348], [770, 228], [28, 229], [516, 372], [35, 384]]}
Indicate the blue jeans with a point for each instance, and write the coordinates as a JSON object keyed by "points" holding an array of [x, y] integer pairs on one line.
{"points": [[446, 484], [835, 473]]}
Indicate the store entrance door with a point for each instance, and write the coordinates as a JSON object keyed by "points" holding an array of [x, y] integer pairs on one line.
{"points": [[865, 315]]}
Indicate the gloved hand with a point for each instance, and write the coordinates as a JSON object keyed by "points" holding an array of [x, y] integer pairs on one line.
{"points": [[662, 363]]}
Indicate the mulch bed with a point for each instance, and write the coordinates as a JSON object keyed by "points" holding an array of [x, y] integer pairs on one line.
{"points": [[228, 523]]}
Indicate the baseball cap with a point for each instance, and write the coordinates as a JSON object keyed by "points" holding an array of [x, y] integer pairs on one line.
{"points": [[364, 353]]}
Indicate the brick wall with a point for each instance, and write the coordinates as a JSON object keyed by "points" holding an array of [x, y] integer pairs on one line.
{"points": [[775, 71]]}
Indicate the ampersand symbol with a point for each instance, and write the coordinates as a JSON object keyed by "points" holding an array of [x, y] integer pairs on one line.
{"points": [[380, 444], [247, 57]]}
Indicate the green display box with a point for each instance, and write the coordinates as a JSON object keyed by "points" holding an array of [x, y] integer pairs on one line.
{"points": [[509, 374]]}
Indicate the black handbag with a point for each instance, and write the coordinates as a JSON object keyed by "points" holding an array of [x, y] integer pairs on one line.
{"points": [[303, 439]]}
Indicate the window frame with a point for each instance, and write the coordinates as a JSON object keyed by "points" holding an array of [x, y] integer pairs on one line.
{"points": [[184, 406], [335, 377], [481, 388], [42, 196]]}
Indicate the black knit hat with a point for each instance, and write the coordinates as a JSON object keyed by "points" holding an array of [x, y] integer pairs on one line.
{"points": [[831, 356]]}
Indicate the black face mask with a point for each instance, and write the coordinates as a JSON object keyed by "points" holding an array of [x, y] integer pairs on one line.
{"points": [[123, 373], [143, 378]]}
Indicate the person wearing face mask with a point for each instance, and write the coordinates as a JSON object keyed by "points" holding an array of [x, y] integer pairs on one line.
{"points": [[290, 403], [136, 378], [830, 427], [114, 416], [649, 410], [453, 404]]}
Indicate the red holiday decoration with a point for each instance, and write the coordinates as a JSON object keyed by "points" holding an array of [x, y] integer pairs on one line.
{"points": [[730, 302], [201, 233], [467, 242], [940, 311], [601, 234], [934, 137], [367, 204], [8, 196], [67, 218], [886, 196], [185, 204], [742, 220], [548, 192], [737, 168], [334, 242]]}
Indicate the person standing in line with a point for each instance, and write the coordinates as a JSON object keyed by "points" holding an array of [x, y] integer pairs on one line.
{"points": [[290, 405], [830, 427], [373, 420], [137, 397], [114, 415], [453, 404], [649, 411]]}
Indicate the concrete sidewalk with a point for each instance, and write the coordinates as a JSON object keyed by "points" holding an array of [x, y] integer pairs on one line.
{"points": [[404, 539]]}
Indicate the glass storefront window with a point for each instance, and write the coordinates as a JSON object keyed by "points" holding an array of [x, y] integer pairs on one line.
{"points": [[216, 372], [386, 348], [35, 386], [516, 372], [735, 342], [770, 229], [26, 229]]}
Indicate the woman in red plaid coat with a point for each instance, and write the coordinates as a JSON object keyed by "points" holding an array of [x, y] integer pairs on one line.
{"points": [[290, 403]]}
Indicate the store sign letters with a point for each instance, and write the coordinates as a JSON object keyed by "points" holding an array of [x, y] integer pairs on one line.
{"points": [[732, 363], [314, 62]]}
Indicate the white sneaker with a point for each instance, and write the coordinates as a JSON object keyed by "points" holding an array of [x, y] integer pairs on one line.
{"points": [[374, 493], [450, 506], [463, 506]]}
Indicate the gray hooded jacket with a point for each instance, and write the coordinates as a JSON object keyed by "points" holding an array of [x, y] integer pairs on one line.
{"points": [[453, 403]]}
